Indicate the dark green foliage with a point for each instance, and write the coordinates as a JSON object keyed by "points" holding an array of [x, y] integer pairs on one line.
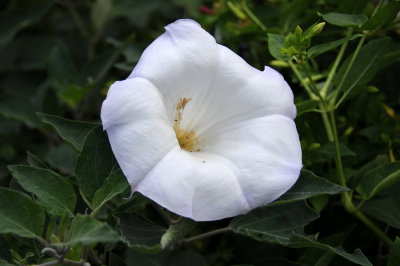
{"points": [[63, 195]]}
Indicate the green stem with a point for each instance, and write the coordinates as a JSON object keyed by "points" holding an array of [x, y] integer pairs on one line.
{"points": [[338, 160], [332, 73], [205, 235], [253, 17], [353, 58]]}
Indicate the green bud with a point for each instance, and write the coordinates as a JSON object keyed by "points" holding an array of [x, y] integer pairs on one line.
{"points": [[298, 32], [278, 63], [317, 29]]}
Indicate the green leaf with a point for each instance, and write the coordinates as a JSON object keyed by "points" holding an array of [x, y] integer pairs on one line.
{"points": [[139, 233], [137, 12], [274, 223], [275, 44], [380, 160], [86, 230], [328, 152], [97, 68], [18, 108], [114, 184], [63, 158], [71, 131], [55, 193], [384, 16], [394, 255], [316, 50], [176, 233], [15, 19], [309, 185], [299, 241], [375, 55], [95, 162], [100, 12], [385, 208], [344, 20], [34, 161], [306, 106], [19, 214], [379, 179]]}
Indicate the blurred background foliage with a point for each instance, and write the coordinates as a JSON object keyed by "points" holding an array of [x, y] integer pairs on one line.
{"points": [[59, 57]]}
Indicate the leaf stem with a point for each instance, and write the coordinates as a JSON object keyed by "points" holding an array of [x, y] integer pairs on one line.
{"points": [[253, 17], [206, 235], [338, 160], [353, 58]]}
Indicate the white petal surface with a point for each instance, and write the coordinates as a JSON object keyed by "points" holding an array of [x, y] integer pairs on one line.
{"points": [[266, 151], [180, 63], [137, 127], [197, 185]]}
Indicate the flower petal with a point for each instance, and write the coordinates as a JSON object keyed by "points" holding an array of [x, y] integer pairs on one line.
{"points": [[180, 63], [137, 126], [240, 92], [267, 153], [195, 185]]}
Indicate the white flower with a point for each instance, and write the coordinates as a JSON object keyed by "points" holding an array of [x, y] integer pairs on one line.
{"points": [[201, 132]]}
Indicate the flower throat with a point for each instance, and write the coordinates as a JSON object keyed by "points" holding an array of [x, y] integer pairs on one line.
{"points": [[186, 139]]}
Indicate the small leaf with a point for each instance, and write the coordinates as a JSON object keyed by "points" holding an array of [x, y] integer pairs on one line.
{"points": [[379, 179], [274, 223], [55, 193], [384, 16], [385, 208], [299, 241], [114, 184], [328, 152], [95, 162], [275, 44], [394, 255], [176, 233], [19, 214], [316, 50], [139, 233], [71, 131], [34, 161], [309, 185], [344, 20], [306, 106], [86, 230]]}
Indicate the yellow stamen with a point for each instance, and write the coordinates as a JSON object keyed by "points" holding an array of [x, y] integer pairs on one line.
{"points": [[186, 139]]}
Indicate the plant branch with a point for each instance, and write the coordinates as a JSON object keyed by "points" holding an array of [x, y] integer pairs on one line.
{"points": [[253, 17], [386, 240], [206, 235]]}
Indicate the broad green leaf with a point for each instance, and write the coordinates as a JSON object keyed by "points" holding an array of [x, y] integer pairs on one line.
{"points": [[328, 152], [309, 185], [384, 16], [373, 56], [274, 223], [394, 255], [344, 20], [299, 241], [114, 184], [55, 193], [97, 68], [18, 108], [380, 160], [139, 233], [316, 50], [95, 162], [20, 16], [63, 158], [176, 233], [34, 161], [86, 230], [5, 263], [19, 214], [71, 131], [306, 106], [379, 179], [384, 208], [275, 44]]}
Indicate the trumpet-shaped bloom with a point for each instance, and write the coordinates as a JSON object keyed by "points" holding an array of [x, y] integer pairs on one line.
{"points": [[201, 132]]}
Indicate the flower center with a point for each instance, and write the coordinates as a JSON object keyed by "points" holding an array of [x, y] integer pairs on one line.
{"points": [[186, 138]]}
